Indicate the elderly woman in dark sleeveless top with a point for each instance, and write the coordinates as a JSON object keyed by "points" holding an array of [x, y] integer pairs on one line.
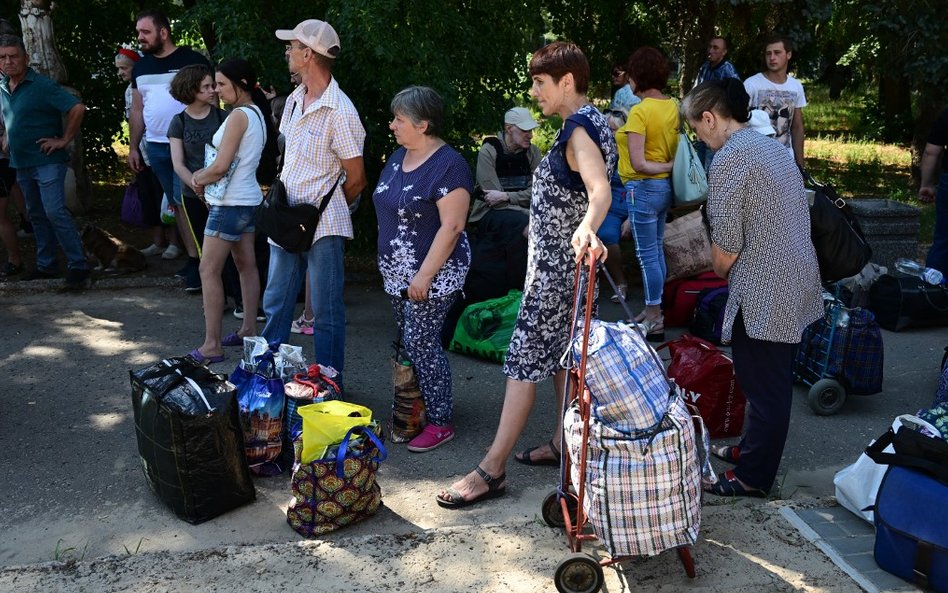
{"points": [[571, 196], [421, 202], [760, 242]]}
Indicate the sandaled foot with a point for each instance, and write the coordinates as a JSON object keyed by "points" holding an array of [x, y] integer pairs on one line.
{"points": [[453, 499], [729, 453], [551, 457], [729, 485], [202, 358]]}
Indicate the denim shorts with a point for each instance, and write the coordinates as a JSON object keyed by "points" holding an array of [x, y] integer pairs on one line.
{"points": [[229, 222]]}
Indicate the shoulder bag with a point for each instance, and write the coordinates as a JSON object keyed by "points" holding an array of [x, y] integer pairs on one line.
{"points": [[841, 247], [689, 180], [290, 227]]}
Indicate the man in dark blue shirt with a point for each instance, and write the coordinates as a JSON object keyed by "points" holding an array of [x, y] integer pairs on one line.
{"points": [[33, 108], [716, 67]]}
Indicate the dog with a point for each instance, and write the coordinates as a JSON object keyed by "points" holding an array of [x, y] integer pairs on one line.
{"points": [[110, 253]]}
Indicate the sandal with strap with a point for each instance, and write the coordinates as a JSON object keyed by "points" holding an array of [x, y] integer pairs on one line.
{"points": [[728, 485], [728, 453], [525, 458], [496, 487]]}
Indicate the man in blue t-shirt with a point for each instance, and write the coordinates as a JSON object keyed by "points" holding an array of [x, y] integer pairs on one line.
{"points": [[33, 108], [152, 110], [716, 67]]}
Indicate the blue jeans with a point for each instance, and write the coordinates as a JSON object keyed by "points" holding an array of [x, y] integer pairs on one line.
{"points": [[45, 194], [324, 260], [611, 228], [938, 254], [229, 222], [159, 157], [649, 201]]}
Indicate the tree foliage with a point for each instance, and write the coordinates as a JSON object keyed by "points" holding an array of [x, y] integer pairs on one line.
{"points": [[474, 52]]}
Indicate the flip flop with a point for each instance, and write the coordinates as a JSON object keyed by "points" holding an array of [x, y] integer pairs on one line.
{"points": [[524, 456], [728, 485], [232, 340], [729, 453], [495, 489], [201, 359]]}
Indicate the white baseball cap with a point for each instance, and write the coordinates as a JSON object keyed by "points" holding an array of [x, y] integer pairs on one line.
{"points": [[760, 122], [317, 35], [521, 118]]}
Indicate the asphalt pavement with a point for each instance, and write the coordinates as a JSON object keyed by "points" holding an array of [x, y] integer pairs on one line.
{"points": [[72, 487]]}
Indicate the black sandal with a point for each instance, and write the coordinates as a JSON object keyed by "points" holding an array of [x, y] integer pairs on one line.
{"points": [[728, 485], [495, 487], [525, 458], [729, 453]]}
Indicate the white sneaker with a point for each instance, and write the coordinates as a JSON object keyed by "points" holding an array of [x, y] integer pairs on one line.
{"points": [[172, 252], [152, 250], [302, 325]]}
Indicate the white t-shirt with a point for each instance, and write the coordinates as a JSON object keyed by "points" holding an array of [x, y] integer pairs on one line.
{"points": [[243, 189], [779, 102]]}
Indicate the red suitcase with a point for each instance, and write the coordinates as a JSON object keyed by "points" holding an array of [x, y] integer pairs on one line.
{"points": [[680, 297]]}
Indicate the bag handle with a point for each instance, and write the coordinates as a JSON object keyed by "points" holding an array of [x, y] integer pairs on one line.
{"points": [[876, 453], [341, 454]]}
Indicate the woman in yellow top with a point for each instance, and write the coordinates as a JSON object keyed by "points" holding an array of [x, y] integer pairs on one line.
{"points": [[647, 144]]}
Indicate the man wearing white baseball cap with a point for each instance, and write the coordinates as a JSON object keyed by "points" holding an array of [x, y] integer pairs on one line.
{"points": [[322, 158], [500, 214]]}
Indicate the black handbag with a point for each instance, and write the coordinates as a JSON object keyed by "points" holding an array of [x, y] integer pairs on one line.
{"points": [[290, 227], [841, 247], [906, 301]]}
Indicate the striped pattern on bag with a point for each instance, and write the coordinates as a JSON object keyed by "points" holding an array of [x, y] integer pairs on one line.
{"points": [[641, 498]]}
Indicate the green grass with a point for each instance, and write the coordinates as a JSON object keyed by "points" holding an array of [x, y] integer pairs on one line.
{"points": [[837, 152]]}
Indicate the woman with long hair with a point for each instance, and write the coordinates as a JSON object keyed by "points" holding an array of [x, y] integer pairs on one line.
{"points": [[230, 222]]}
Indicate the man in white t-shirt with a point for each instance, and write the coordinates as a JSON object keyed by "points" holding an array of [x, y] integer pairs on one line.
{"points": [[780, 96]]}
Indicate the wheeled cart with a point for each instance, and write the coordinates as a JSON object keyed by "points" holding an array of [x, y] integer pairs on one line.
{"points": [[632, 473], [840, 354]]}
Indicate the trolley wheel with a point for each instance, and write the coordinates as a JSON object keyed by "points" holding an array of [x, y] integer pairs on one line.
{"points": [[579, 573], [826, 397], [553, 513], [688, 561]]}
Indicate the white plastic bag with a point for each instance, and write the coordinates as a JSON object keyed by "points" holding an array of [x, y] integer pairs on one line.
{"points": [[857, 484]]}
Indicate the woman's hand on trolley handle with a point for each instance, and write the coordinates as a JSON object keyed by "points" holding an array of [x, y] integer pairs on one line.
{"points": [[585, 241]]}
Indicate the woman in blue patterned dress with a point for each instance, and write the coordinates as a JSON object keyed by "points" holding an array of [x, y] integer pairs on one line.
{"points": [[421, 202], [571, 196]]}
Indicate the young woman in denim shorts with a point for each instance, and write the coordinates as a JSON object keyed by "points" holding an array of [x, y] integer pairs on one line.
{"points": [[230, 221]]}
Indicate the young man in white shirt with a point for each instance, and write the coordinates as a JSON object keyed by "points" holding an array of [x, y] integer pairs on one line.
{"points": [[780, 95]]}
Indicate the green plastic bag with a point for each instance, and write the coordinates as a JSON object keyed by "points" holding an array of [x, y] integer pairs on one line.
{"points": [[485, 328]]}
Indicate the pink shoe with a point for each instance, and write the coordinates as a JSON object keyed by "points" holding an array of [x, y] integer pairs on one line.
{"points": [[431, 436]]}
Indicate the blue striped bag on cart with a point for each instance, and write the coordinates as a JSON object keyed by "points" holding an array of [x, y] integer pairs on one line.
{"points": [[630, 393]]}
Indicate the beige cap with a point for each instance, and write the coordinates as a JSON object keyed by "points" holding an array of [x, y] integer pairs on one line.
{"points": [[314, 34], [521, 118], [760, 121]]}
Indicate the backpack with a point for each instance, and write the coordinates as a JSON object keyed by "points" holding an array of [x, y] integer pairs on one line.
{"points": [[709, 314]]}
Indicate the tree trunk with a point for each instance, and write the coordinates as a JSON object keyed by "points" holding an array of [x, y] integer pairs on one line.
{"points": [[40, 41], [694, 45]]}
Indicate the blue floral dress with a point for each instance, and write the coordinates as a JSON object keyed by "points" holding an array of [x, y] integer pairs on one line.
{"points": [[557, 206]]}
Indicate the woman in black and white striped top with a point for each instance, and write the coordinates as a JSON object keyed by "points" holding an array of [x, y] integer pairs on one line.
{"points": [[760, 233]]}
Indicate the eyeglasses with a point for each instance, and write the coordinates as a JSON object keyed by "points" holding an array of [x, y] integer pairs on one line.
{"points": [[291, 46]]}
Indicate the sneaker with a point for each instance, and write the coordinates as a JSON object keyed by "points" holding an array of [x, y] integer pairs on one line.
{"points": [[26, 230], [10, 269], [183, 272], [76, 279], [239, 313], [192, 280], [40, 275], [152, 250], [172, 252], [303, 326], [431, 437]]}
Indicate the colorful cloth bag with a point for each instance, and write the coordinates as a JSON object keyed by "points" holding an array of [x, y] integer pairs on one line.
{"points": [[340, 489]]}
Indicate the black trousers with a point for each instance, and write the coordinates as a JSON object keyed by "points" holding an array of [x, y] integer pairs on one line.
{"points": [[765, 372]]}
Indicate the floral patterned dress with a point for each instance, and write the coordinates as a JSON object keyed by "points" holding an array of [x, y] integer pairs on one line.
{"points": [[557, 206]]}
